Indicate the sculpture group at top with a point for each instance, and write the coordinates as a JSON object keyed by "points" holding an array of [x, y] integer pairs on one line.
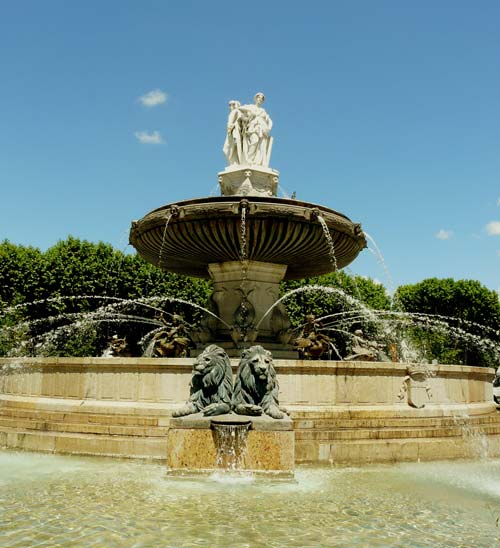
{"points": [[247, 140]]}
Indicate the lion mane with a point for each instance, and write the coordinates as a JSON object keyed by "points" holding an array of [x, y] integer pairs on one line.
{"points": [[211, 385], [256, 387]]}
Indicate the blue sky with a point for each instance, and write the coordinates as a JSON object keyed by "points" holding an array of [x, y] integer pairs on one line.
{"points": [[385, 110]]}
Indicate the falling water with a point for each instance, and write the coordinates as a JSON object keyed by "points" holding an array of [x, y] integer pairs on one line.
{"points": [[329, 241], [160, 255], [231, 444], [243, 248], [474, 436]]}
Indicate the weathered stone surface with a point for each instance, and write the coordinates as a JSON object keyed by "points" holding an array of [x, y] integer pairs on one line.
{"points": [[261, 423], [255, 284], [341, 412], [193, 449]]}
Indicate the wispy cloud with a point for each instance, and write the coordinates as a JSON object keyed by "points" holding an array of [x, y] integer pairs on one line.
{"points": [[498, 202], [493, 228], [498, 252], [153, 98], [444, 234], [153, 138]]}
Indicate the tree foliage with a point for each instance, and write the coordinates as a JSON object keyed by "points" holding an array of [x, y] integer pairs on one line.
{"points": [[463, 322], [50, 292]]}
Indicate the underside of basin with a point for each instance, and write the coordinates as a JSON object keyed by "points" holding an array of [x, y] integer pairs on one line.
{"points": [[188, 236]]}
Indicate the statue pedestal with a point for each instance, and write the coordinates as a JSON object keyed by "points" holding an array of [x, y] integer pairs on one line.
{"points": [[249, 181], [192, 447], [243, 292]]}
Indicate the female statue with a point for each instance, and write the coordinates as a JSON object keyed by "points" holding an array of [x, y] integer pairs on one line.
{"points": [[257, 125], [247, 138], [233, 144]]}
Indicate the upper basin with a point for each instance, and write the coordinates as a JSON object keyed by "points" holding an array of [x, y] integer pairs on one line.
{"points": [[277, 230]]}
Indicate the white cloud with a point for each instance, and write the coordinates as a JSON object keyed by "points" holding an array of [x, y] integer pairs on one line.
{"points": [[493, 228], [498, 252], [498, 203], [153, 98], [153, 138], [444, 234]]}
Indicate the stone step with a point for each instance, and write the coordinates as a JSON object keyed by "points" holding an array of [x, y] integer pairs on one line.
{"points": [[343, 413], [88, 428], [325, 424], [85, 444], [108, 419], [369, 451], [399, 433], [79, 416]]}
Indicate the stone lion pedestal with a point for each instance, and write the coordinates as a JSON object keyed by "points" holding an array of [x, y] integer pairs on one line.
{"points": [[260, 445]]}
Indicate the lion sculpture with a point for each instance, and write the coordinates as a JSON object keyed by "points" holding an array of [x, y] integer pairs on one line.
{"points": [[211, 385], [256, 387]]}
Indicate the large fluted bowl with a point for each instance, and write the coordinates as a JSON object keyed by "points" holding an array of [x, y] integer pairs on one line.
{"points": [[187, 236]]}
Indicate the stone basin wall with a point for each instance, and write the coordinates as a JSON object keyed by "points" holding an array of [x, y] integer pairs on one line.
{"points": [[343, 412]]}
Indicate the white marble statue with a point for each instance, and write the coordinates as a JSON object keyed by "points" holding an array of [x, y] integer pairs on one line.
{"points": [[233, 146], [247, 140]]}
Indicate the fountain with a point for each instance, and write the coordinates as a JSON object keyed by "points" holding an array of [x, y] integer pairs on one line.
{"points": [[247, 241]]}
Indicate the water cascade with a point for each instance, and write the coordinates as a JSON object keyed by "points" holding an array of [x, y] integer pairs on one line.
{"points": [[160, 255], [329, 241], [231, 443], [243, 249]]}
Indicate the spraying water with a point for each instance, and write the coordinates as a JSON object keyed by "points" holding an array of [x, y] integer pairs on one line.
{"points": [[380, 258], [329, 241]]}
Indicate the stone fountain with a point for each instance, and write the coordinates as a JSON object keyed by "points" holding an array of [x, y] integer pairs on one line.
{"points": [[247, 240]]}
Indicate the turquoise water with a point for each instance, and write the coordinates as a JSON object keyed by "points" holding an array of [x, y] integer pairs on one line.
{"points": [[48, 500]]}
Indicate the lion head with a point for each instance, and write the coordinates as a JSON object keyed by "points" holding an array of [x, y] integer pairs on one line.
{"points": [[256, 387], [211, 384]]}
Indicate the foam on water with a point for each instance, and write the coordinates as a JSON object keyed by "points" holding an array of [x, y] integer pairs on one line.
{"points": [[233, 478]]}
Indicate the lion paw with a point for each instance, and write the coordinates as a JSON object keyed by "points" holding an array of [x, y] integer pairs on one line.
{"points": [[248, 409], [215, 409], [183, 411], [274, 412]]}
